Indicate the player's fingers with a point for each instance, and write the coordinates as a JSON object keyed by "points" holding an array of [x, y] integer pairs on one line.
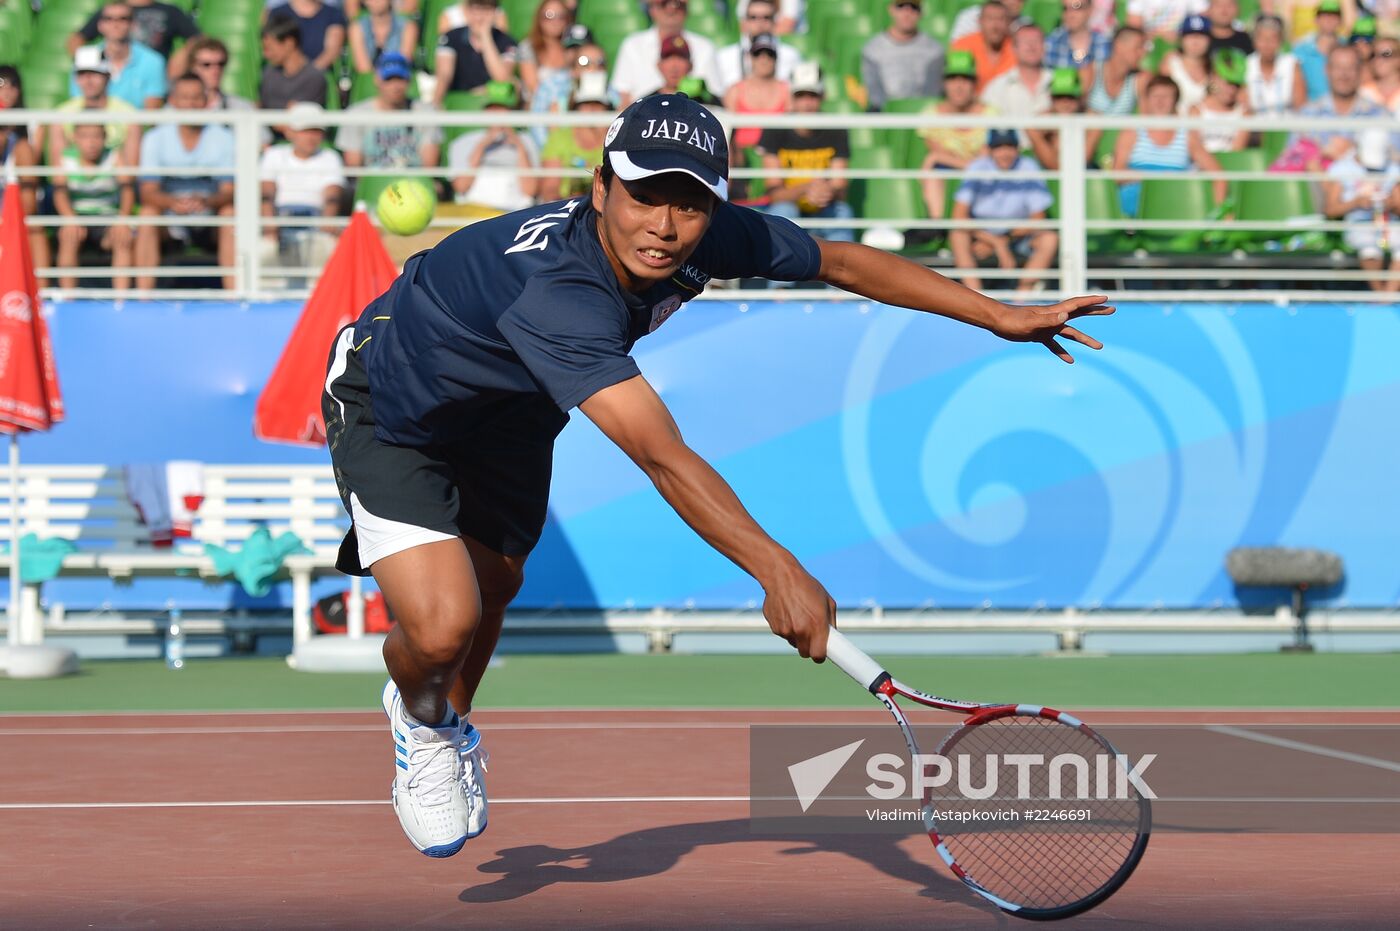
{"points": [[1079, 336], [1060, 351]]}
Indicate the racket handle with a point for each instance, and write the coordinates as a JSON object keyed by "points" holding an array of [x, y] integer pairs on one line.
{"points": [[853, 661]]}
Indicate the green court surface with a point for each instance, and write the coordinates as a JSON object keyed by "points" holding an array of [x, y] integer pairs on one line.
{"points": [[615, 681]]}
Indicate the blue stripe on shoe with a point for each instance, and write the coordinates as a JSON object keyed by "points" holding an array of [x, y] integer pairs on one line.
{"points": [[445, 850], [403, 764], [470, 739], [400, 748], [398, 736]]}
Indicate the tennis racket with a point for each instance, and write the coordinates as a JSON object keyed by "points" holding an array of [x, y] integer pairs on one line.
{"points": [[1053, 839]]}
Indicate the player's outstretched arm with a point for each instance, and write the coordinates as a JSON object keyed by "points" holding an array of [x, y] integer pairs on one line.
{"points": [[890, 279], [634, 417]]}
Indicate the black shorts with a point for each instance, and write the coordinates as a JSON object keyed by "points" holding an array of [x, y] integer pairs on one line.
{"points": [[492, 484]]}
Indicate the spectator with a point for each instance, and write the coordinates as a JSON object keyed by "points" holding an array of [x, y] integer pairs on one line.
{"points": [[322, 30], [953, 147], [379, 29], [587, 56], [93, 76], [968, 20], [1160, 149], [16, 151], [1314, 49], [1161, 19], [990, 45], [760, 92], [86, 186], [209, 61], [731, 62], [155, 25], [1003, 198], [1361, 191], [138, 73], [545, 59], [1344, 77], [1363, 39], [1117, 84], [902, 62], [290, 76], [1275, 84], [577, 147], [186, 145], [301, 178], [818, 151], [1066, 98], [470, 56], [1224, 101], [486, 163], [1074, 44], [1025, 89], [675, 64], [1223, 31], [1385, 65], [391, 145], [790, 13], [1189, 65], [635, 74], [457, 15]]}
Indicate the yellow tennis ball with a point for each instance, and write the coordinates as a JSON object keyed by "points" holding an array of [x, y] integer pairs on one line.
{"points": [[406, 207]]}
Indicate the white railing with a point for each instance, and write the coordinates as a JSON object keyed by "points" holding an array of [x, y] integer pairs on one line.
{"points": [[255, 278]]}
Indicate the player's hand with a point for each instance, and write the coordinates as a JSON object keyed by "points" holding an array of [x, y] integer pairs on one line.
{"points": [[799, 610], [1044, 324]]}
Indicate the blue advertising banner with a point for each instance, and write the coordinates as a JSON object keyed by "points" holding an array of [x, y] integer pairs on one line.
{"points": [[907, 460]]}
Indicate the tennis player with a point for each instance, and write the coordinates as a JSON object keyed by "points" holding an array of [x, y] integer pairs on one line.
{"points": [[443, 400]]}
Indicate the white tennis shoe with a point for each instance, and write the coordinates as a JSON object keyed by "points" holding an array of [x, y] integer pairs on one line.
{"points": [[428, 791], [474, 760]]}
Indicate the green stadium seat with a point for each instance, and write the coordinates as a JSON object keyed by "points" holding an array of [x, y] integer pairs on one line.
{"points": [[1273, 142], [1101, 202], [861, 136], [906, 144], [460, 102], [892, 199], [1286, 201], [1044, 13], [1103, 150], [1173, 199]]}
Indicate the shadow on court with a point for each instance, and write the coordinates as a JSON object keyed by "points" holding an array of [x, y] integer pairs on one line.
{"points": [[650, 852]]}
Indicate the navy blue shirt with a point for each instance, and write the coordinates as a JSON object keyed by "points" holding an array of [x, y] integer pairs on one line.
{"points": [[527, 303]]}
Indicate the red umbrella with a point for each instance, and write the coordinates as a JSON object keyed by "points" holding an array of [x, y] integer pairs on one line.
{"points": [[289, 409], [29, 395]]}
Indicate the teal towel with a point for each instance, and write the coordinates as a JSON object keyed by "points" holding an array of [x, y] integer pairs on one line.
{"points": [[259, 561], [41, 560]]}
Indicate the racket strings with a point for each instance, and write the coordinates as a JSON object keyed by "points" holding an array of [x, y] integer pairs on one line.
{"points": [[1034, 863]]}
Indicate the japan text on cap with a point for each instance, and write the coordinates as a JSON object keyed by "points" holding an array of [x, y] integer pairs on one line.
{"points": [[669, 133]]}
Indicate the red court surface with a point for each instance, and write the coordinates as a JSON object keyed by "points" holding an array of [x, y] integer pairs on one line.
{"points": [[629, 819]]}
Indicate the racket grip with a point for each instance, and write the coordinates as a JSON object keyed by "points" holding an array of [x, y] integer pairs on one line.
{"points": [[852, 660]]}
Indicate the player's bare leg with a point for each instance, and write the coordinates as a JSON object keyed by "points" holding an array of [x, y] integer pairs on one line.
{"points": [[498, 579], [432, 592]]}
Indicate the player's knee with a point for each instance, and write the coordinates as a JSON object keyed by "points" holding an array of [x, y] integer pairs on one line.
{"points": [[440, 630], [501, 592]]}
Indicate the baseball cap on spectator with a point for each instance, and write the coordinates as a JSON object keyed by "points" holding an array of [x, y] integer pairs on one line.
{"points": [[90, 58], [1364, 30], [1329, 6], [577, 35], [306, 114], [394, 65], [1064, 82], [669, 133], [592, 87], [960, 64], [501, 94], [675, 46], [1000, 137], [1193, 24], [807, 79], [764, 42], [1229, 65]]}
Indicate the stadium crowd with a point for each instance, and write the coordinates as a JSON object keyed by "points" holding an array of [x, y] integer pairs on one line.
{"points": [[1011, 58]]}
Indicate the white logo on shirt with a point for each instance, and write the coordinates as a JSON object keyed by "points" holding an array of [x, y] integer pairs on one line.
{"points": [[531, 235], [661, 311]]}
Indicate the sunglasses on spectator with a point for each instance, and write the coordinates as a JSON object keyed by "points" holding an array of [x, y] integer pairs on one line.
{"points": [[215, 63], [1075, 7], [116, 19], [584, 61], [1386, 53], [669, 4], [908, 6], [553, 14]]}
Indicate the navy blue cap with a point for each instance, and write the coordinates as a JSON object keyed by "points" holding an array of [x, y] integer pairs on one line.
{"points": [[1002, 137], [1194, 23], [669, 132]]}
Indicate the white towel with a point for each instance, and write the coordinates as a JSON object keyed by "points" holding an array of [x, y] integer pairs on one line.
{"points": [[185, 481]]}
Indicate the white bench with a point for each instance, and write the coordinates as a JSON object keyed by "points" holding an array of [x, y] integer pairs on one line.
{"points": [[88, 505]]}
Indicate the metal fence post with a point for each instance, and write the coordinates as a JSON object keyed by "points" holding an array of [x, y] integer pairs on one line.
{"points": [[247, 203], [1074, 251]]}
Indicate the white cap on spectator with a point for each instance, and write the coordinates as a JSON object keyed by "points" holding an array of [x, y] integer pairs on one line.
{"points": [[807, 79], [91, 58], [1373, 149], [592, 88], [306, 114]]}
